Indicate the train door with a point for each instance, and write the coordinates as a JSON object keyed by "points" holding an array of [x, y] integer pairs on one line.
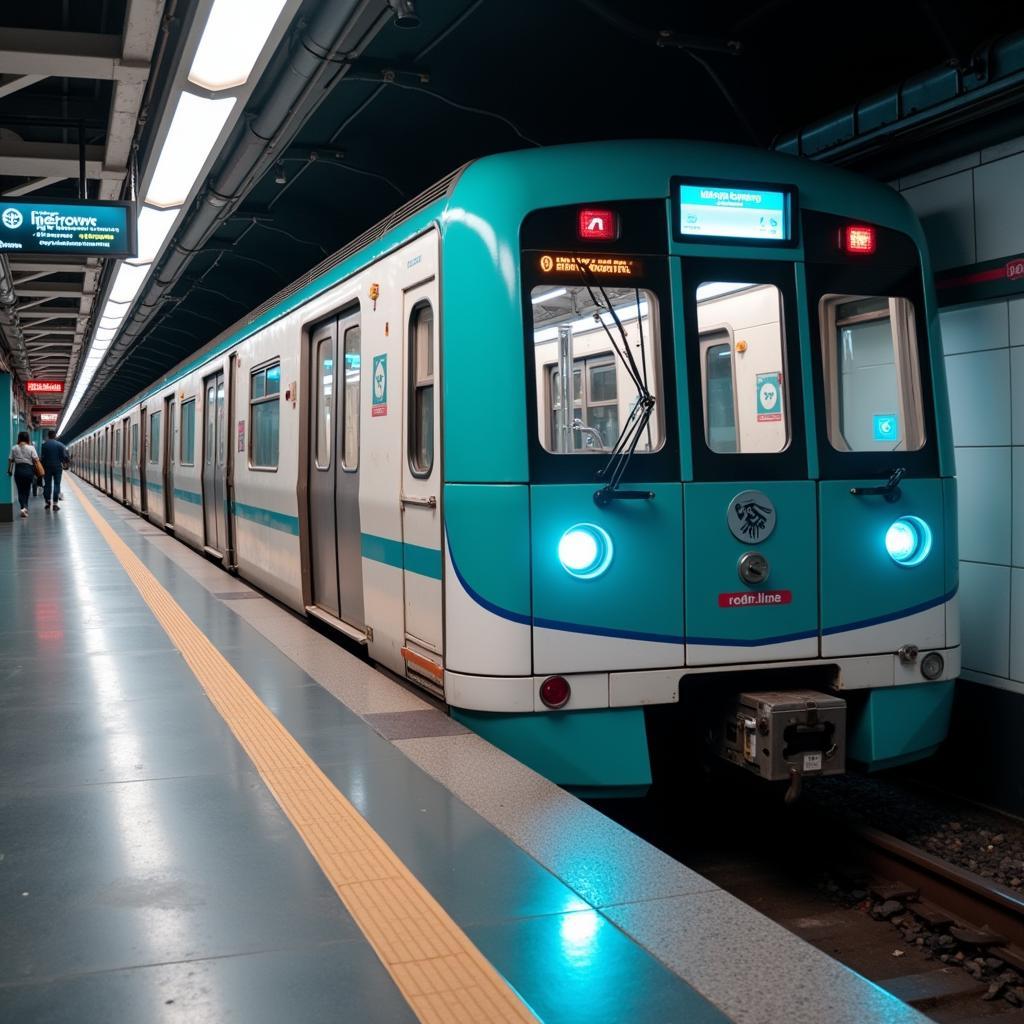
{"points": [[751, 538], [170, 435], [335, 532], [421, 485], [125, 456], [215, 507], [143, 436]]}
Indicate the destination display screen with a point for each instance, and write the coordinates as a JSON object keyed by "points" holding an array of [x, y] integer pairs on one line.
{"points": [[76, 228], [720, 210]]}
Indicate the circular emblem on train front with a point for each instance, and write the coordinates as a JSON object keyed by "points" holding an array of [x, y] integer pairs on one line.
{"points": [[751, 516]]}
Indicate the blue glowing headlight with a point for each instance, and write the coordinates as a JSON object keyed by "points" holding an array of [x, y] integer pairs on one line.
{"points": [[585, 551], [908, 540]]}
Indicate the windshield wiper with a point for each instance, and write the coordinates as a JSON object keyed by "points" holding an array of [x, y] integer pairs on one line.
{"points": [[639, 418]]}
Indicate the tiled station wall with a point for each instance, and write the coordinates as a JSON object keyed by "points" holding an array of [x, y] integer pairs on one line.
{"points": [[972, 210]]}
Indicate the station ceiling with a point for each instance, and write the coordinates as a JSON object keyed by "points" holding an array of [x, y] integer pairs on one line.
{"points": [[473, 77]]}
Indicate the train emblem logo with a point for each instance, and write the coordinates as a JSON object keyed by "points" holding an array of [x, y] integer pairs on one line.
{"points": [[751, 516], [379, 405], [769, 397]]}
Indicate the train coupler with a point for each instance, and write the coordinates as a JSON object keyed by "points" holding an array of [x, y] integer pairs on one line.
{"points": [[784, 735]]}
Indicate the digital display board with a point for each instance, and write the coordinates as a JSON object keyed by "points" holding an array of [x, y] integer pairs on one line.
{"points": [[80, 228], [44, 387], [730, 211]]}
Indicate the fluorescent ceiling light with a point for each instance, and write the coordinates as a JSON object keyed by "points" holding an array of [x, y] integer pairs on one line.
{"points": [[105, 334], [154, 227], [235, 34], [195, 127], [548, 296], [127, 283]]}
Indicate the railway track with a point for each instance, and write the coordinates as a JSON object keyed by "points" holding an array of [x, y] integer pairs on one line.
{"points": [[950, 942]]}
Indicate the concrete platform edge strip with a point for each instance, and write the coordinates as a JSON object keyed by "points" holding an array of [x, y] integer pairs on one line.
{"points": [[438, 970]]}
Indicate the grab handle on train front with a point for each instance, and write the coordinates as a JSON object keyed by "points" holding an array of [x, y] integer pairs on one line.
{"points": [[410, 499], [890, 490]]}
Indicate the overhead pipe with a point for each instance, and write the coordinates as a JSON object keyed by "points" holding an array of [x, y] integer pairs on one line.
{"points": [[257, 140]]}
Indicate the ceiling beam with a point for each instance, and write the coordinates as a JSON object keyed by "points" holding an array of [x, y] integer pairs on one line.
{"points": [[50, 290], [25, 51], [53, 159], [14, 83], [141, 27], [31, 266], [32, 186]]}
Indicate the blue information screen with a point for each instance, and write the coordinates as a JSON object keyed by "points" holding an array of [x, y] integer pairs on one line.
{"points": [[79, 228], [733, 211]]}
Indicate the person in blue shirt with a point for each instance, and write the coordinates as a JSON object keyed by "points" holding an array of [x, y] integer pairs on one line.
{"points": [[53, 456]]}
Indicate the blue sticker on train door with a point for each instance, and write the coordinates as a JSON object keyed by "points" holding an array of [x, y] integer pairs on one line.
{"points": [[769, 397], [887, 427], [379, 404]]}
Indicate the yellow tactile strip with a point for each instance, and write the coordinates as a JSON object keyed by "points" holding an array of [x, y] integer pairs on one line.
{"points": [[442, 975]]}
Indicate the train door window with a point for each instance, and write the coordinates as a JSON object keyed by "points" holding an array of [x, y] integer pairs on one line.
{"points": [[210, 434], [187, 450], [745, 394], [421, 419], [610, 338], [324, 401], [595, 415], [873, 396], [154, 437], [719, 382], [135, 443], [264, 416], [350, 422]]}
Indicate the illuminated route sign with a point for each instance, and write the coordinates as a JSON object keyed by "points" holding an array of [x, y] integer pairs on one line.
{"points": [[47, 419], [728, 211], [79, 228], [605, 266], [44, 387]]}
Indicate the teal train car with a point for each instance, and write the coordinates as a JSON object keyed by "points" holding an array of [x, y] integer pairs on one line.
{"points": [[586, 431]]}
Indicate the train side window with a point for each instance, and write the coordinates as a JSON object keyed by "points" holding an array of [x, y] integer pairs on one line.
{"points": [[421, 418], [350, 395], [264, 416], [324, 402], [573, 326], [743, 353], [187, 452], [154, 437], [873, 396]]}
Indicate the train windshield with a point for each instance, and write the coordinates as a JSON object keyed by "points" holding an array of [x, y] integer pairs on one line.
{"points": [[596, 350], [873, 396]]}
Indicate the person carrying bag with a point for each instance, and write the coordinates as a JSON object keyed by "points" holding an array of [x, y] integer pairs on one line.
{"points": [[24, 465]]}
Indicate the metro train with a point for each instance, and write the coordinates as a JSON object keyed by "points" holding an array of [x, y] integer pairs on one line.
{"points": [[583, 431]]}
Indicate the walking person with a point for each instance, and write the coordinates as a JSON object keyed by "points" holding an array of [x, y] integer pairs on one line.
{"points": [[54, 456], [21, 463]]}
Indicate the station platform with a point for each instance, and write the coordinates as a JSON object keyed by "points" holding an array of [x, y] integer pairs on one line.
{"points": [[211, 812]]}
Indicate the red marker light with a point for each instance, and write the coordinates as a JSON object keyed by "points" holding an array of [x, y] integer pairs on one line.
{"points": [[597, 225], [555, 692], [859, 239]]}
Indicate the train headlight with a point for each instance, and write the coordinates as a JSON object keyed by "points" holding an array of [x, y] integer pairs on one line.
{"points": [[908, 540], [585, 551]]}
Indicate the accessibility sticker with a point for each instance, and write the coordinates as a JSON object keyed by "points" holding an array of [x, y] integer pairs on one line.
{"points": [[887, 427], [379, 403], [769, 397]]}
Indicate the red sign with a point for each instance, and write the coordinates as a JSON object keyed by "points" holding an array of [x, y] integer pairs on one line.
{"points": [[47, 419], [44, 387], [1015, 269], [755, 598], [597, 225]]}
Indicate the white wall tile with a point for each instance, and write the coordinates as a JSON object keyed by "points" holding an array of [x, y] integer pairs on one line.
{"points": [[961, 163], [985, 617], [983, 491], [1017, 624], [946, 209], [971, 328], [979, 397], [999, 208], [1016, 318]]}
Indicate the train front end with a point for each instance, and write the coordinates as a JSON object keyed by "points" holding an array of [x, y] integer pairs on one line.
{"points": [[698, 451]]}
